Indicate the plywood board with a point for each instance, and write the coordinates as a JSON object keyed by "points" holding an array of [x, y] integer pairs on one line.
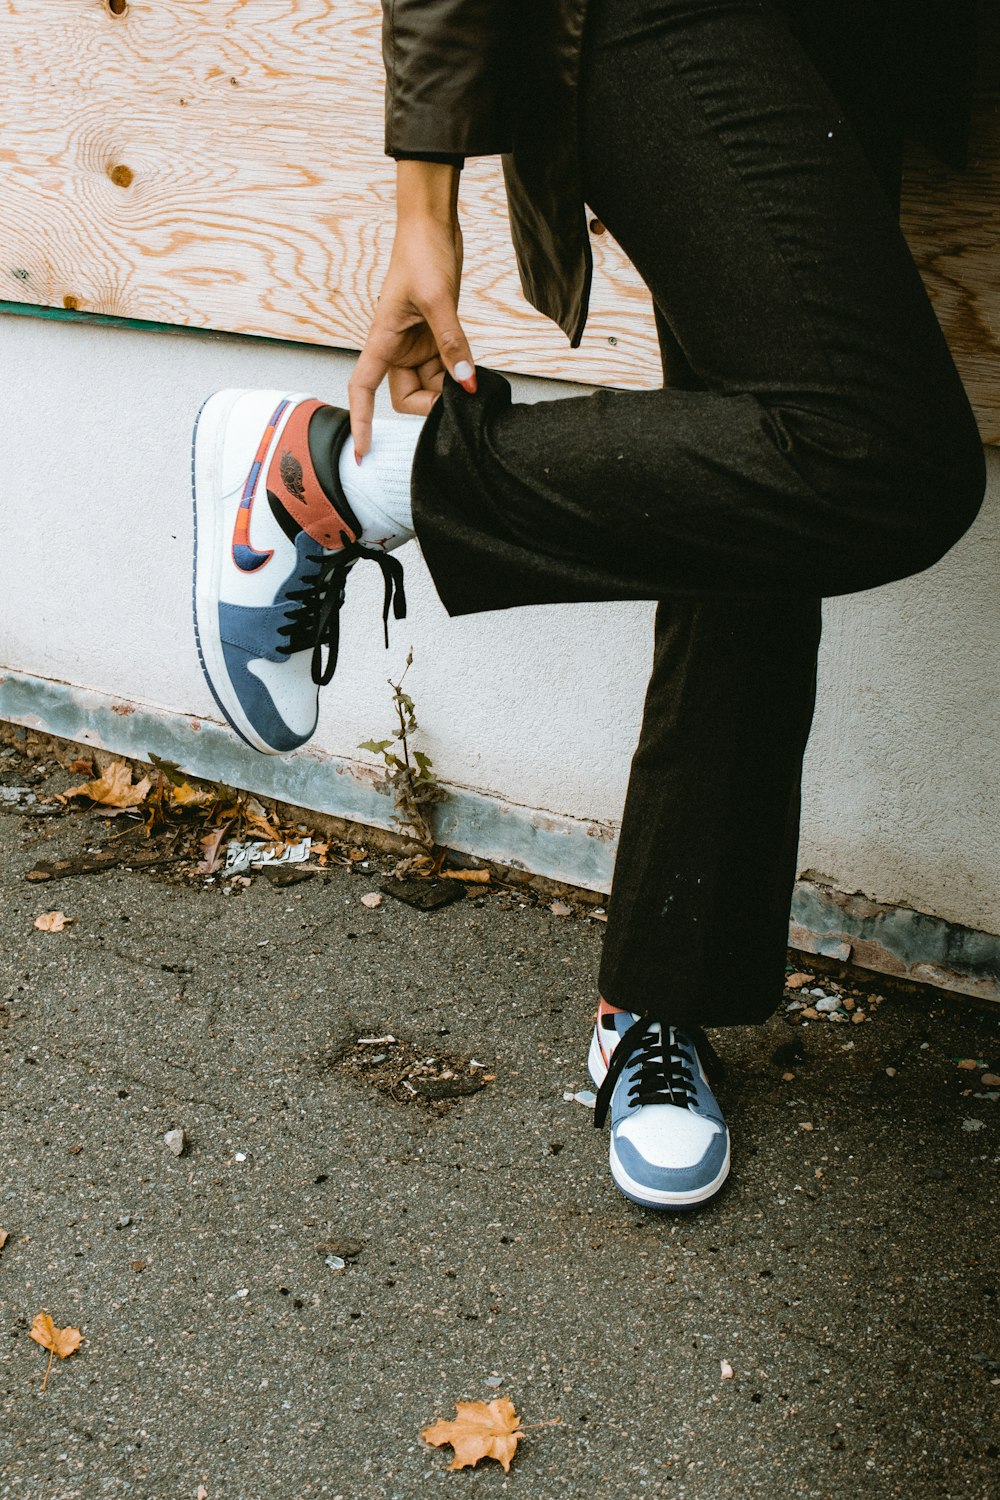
{"points": [[218, 164]]}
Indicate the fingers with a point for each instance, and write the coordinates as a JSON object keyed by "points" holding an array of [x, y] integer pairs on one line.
{"points": [[442, 319], [368, 375]]}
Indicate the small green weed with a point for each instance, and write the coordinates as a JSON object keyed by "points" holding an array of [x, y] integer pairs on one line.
{"points": [[409, 774]]}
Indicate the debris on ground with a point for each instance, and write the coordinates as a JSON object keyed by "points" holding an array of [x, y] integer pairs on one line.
{"points": [[480, 1430], [423, 894], [16, 798], [410, 1074], [175, 1141], [341, 1249], [808, 1000], [257, 854], [52, 921], [61, 1341], [582, 1096]]}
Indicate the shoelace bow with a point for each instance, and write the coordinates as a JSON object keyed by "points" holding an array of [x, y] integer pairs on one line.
{"points": [[664, 1073], [314, 618]]}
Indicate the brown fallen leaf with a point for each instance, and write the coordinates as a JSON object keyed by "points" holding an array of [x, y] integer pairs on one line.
{"points": [[480, 1430], [52, 921], [186, 795], [478, 877], [61, 1341], [258, 819], [210, 860], [114, 788]]}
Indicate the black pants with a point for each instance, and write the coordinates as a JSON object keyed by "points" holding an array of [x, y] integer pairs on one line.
{"points": [[813, 439]]}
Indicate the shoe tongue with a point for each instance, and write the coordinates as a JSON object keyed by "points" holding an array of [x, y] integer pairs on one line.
{"points": [[293, 484]]}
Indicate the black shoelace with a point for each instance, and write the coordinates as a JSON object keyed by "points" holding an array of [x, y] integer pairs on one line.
{"points": [[313, 620], [664, 1073]]}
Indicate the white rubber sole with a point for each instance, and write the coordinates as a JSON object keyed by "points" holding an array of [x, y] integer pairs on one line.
{"points": [[638, 1192], [214, 517]]}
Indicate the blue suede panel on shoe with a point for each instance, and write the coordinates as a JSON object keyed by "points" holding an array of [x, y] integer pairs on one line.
{"points": [[257, 702], [673, 1179]]}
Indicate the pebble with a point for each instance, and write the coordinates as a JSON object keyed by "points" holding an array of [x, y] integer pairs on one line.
{"points": [[858, 1015], [809, 1014], [972, 1125], [726, 1369], [827, 1004], [796, 981], [849, 1004], [991, 1080], [793, 1005], [493, 1380], [968, 1063], [788, 1077], [175, 1141], [890, 1072]]}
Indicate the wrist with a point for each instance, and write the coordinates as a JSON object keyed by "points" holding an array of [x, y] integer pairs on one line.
{"points": [[427, 189]]}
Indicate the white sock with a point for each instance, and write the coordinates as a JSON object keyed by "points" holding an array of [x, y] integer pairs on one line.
{"points": [[378, 489]]}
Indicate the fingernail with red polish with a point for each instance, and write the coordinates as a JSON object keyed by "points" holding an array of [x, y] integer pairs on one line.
{"points": [[357, 456], [466, 376]]}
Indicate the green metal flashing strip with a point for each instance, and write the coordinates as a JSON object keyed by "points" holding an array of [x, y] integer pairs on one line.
{"points": [[885, 939], [145, 325]]}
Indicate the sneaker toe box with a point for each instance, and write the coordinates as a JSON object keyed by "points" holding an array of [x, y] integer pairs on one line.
{"points": [[681, 1156], [278, 699]]}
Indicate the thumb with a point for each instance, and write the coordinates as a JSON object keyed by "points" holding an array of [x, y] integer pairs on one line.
{"points": [[453, 346]]}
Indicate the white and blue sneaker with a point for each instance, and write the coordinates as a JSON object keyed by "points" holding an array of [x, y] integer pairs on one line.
{"points": [[669, 1142], [274, 541]]}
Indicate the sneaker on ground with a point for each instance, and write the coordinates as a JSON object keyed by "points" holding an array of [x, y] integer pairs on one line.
{"points": [[274, 541], [669, 1141]]}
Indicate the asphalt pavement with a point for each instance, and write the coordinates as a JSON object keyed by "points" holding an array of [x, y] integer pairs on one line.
{"points": [[337, 1257]]}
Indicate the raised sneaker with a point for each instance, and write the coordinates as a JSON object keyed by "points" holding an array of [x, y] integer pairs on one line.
{"points": [[275, 539], [669, 1141]]}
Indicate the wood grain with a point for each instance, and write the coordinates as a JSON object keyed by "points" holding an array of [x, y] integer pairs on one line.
{"points": [[218, 164]]}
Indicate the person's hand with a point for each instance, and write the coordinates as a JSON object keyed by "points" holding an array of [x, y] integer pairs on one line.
{"points": [[416, 334]]}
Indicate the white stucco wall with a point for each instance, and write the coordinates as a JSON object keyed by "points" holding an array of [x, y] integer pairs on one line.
{"points": [[904, 765]]}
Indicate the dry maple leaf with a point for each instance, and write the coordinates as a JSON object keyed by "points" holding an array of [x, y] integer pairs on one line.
{"points": [[113, 788], [61, 1341], [52, 921], [481, 1430]]}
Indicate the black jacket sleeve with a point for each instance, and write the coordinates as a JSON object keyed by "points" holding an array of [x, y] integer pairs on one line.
{"points": [[448, 76]]}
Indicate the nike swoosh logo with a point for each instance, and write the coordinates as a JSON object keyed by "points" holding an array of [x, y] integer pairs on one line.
{"points": [[245, 555]]}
